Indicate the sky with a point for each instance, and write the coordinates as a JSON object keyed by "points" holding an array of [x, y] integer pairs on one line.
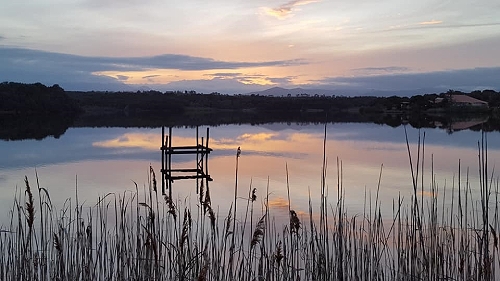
{"points": [[241, 46]]}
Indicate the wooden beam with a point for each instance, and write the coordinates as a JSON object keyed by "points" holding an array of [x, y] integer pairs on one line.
{"points": [[194, 147], [186, 170], [189, 177], [186, 151], [162, 159]]}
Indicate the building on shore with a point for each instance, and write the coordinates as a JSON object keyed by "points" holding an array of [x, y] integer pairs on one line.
{"points": [[464, 100]]}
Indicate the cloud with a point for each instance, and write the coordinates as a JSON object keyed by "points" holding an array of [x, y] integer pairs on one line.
{"points": [[279, 203], [429, 194], [282, 81], [259, 137], [286, 10], [379, 70], [151, 76], [431, 22], [224, 86], [70, 77], [491, 24], [122, 77], [129, 140], [254, 78], [165, 61], [390, 80], [97, 4], [464, 79], [437, 24], [74, 72], [223, 74], [80, 142], [2, 37]]}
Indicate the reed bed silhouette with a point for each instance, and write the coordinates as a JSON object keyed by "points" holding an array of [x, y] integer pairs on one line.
{"points": [[144, 235]]}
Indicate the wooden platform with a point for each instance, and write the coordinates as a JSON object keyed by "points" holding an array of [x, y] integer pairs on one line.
{"points": [[200, 150]]}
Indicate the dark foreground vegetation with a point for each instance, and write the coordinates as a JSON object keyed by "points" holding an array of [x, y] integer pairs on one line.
{"points": [[51, 110], [147, 236]]}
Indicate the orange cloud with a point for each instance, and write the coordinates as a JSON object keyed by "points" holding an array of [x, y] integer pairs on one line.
{"points": [[257, 137], [431, 22], [428, 194], [166, 76], [286, 9], [279, 203], [132, 140], [270, 142]]}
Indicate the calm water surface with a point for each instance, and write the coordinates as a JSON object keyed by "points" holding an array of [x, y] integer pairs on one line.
{"points": [[98, 161]]}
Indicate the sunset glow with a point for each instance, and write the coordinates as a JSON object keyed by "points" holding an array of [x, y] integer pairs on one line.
{"points": [[125, 45]]}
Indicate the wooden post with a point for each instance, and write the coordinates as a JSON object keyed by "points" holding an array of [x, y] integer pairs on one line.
{"points": [[206, 161], [197, 157], [162, 160], [206, 156], [170, 162], [166, 162]]}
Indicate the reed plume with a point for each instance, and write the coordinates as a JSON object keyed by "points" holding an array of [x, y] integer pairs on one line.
{"points": [[259, 231], [294, 222]]}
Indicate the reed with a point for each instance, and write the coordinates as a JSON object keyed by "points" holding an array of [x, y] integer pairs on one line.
{"points": [[141, 236]]}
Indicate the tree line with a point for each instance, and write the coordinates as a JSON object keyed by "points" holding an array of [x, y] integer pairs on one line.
{"points": [[37, 111], [35, 99], [38, 98]]}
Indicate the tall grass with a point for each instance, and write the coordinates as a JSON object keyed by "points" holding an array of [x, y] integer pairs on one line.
{"points": [[143, 235]]}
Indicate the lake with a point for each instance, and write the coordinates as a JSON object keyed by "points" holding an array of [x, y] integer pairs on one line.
{"points": [[98, 161]]}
